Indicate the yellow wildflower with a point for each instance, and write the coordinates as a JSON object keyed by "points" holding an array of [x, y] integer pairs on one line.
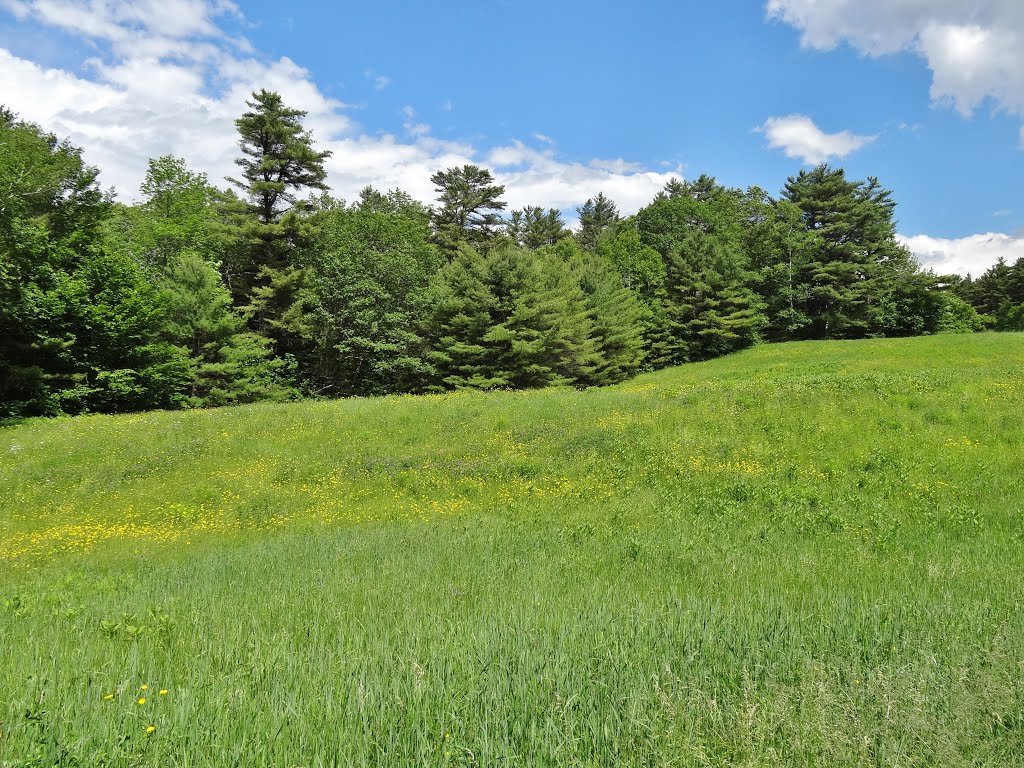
{"points": [[150, 729], [163, 691], [108, 697], [142, 700], [144, 687]]}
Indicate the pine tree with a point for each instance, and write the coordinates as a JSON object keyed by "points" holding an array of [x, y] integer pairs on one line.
{"points": [[618, 316], [854, 226], [278, 162], [229, 364], [469, 212], [279, 158], [706, 306], [533, 227], [598, 217], [456, 314]]}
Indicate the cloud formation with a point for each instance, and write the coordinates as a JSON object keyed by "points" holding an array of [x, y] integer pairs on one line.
{"points": [[798, 137], [972, 48], [169, 79], [967, 255]]}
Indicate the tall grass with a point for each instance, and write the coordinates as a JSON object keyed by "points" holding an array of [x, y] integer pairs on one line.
{"points": [[802, 555]]}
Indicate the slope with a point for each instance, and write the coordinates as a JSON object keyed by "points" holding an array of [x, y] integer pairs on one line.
{"points": [[803, 554]]}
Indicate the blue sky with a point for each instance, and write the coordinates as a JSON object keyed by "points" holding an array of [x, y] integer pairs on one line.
{"points": [[561, 100]]}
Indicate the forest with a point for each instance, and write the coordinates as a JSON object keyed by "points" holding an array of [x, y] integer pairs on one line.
{"points": [[273, 289]]}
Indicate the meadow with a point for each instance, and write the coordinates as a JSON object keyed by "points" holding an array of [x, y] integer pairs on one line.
{"points": [[805, 554]]}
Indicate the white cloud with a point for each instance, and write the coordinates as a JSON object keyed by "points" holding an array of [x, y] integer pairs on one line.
{"points": [[122, 21], [972, 48], [167, 79], [966, 255], [800, 138]]}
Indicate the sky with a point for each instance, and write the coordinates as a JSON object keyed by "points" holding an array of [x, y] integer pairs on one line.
{"points": [[561, 100]]}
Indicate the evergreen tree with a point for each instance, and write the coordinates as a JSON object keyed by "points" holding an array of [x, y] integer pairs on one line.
{"points": [[456, 314], [469, 211], [999, 294], [278, 162], [706, 306], [853, 222], [229, 364], [618, 316], [779, 248], [509, 319], [598, 217], [533, 227], [279, 159]]}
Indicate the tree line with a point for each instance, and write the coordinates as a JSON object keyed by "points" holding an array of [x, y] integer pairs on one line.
{"points": [[272, 289]]}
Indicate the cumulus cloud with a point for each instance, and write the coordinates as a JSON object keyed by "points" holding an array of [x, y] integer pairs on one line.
{"points": [[798, 137], [967, 255], [168, 79], [973, 49]]}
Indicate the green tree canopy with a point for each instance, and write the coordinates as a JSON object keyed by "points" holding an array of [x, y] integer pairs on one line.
{"points": [[79, 325], [598, 216], [279, 159], [533, 227], [470, 205], [855, 230], [365, 269]]}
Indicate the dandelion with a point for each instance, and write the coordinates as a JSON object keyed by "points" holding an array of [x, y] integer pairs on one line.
{"points": [[150, 729], [108, 697], [142, 700], [144, 687], [163, 691]]}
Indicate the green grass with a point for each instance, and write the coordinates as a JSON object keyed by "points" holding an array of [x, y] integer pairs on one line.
{"points": [[802, 555]]}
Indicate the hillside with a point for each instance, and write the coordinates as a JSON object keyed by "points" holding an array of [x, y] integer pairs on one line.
{"points": [[802, 554]]}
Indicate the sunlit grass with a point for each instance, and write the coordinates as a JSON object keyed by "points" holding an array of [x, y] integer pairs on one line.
{"points": [[804, 554]]}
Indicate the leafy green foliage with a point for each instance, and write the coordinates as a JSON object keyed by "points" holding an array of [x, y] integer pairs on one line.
{"points": [[197, 296], [366, 267], [79, 325]]}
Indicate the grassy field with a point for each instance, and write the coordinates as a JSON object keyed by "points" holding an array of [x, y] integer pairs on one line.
{"points": [[802, 555]]}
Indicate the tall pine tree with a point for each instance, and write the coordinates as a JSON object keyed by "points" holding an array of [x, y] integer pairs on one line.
{"points": [[278, 162]]}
